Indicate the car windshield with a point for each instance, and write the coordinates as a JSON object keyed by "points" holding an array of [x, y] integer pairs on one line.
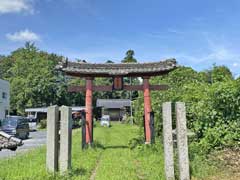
{"points": [[104, 119], [9, 122], [32, 120]]}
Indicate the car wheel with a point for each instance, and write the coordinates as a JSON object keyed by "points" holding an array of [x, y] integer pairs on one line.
{"points": [[13, 149], [17, 135], [26, 136]]}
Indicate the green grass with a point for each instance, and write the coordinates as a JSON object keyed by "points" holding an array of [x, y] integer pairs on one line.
{"points": [[109, 159]]}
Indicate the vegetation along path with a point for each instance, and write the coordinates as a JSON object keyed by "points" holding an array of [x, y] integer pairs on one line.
{"points": [[111, 158]]}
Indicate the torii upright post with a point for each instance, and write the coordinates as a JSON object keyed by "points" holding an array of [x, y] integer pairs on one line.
{"points": [[147, 109], [89, 92]]}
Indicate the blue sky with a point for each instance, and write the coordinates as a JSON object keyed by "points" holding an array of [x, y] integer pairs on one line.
{"points": [[196, 33]]}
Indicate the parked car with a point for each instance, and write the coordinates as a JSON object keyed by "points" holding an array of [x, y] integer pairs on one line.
{"points": [[16, 125], [105, 120], [32, 122]]}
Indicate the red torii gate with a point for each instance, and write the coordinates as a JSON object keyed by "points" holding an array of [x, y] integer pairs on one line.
{"points": [[117, 72]]}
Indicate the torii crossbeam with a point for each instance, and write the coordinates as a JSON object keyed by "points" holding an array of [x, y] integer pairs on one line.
{"points": [[117, 72]]}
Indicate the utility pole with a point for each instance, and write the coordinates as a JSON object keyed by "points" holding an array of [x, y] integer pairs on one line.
{"points": [[131, 112]]}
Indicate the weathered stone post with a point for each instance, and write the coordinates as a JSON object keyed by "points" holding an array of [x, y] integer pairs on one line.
{"points": [[52, 138], [182, 143], [65, 139], [168, 141]]}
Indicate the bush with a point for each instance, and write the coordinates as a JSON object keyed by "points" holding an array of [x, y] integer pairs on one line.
{"points": [[215, 118], [43, 124], [213, 108]]}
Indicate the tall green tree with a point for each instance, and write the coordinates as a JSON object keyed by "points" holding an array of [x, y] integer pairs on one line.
{"points": [[33, 79], [218, 74], [129, 57]]}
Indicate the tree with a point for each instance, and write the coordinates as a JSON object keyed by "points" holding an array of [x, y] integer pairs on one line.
{"points": [[81, 60], [218, 74], [221, 74], [33, 79], [129, 57], [5, 64], [212, 109], [109, 61]]}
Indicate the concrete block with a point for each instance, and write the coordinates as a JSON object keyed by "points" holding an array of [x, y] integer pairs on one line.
{"points": [[182, 142], [168, 141], [65, 139], [52, 138]]}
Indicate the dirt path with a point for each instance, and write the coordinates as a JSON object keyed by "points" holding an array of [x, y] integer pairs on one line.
{"points": [[94, 172]]}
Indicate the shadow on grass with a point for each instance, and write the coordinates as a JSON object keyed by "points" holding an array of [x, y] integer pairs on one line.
{"points": [[116, 147], [68, 175], [98, 145], [77, 172]]}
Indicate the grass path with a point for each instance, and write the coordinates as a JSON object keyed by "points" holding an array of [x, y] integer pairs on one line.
{"points": [[110, 159], [119, 162]]}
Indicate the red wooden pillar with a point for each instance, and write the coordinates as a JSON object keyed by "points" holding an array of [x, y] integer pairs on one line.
{"points": [[88, 104], [147, 109]]}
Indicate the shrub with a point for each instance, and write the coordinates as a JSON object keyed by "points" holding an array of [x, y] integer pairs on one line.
{"points": [[213, 108], [43, 124]]}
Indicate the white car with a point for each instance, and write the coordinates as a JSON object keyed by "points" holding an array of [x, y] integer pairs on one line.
{"points": [[32, 124], [105, 120]]}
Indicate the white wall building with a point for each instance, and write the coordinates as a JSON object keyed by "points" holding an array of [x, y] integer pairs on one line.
{"points": [[4, 98]]}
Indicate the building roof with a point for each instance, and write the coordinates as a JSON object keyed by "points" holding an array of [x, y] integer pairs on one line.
{"points": [[121, 69], [4, 82], [44, 109], [9, 142], [113, 103]]}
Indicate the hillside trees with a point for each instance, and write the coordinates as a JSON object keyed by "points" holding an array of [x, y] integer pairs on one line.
{"points": [[213, 107], [33, 79]]}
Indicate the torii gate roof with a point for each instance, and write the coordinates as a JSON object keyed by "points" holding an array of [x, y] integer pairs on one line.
{"points": [[121, 69]]}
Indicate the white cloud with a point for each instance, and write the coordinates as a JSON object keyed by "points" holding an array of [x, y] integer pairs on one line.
{"points": [[236, 64], [16, 6], [175, 31], [85, 6], [25, 35], [156, 35], [221, 53], [217, 52]]}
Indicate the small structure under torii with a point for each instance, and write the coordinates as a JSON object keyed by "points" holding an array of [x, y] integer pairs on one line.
{"points": [[117, 71]]}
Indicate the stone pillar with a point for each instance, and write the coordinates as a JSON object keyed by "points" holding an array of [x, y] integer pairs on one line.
{"points": [[88, 104], [52, 138], [168, 141], [182, 142], [65, 139], [147, 109]]}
